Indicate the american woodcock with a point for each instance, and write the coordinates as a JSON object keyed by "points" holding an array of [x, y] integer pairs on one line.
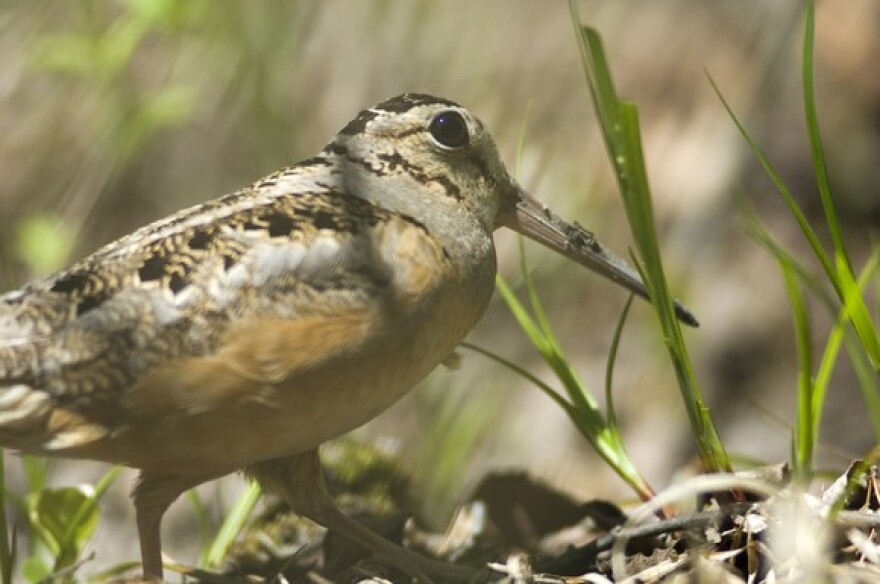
{"points": [[242, 333]]}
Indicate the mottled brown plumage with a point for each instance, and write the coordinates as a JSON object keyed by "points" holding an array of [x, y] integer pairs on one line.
{"points": [[244, 332]]}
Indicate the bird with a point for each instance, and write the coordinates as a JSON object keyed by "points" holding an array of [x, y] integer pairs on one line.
{"points": [[241, 333]]}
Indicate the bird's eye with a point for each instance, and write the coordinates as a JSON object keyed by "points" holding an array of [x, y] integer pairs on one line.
{"points": [[449, 129]]}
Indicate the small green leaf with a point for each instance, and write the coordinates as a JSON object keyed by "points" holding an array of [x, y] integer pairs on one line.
{"points": [[171, 106], [152, 11], [65, 53], [166, 14], [74, 539], [43, 243], [57, 515], [35, 569], [117, 46]]}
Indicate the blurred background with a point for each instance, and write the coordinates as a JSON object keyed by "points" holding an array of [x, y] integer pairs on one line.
{"points": [[116, 113]]}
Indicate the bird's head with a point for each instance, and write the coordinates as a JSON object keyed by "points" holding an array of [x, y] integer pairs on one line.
{"points": [[416, 145]]}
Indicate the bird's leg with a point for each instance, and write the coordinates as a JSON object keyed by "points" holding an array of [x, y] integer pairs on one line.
{"points": [[300, 481], [152, 495]]}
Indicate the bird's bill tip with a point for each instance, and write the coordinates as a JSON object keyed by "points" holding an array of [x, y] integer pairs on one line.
{"points": [[530, 217]]}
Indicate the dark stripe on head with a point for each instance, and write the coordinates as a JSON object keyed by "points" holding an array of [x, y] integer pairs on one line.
{"points": [[335, 148], [359, 124], [315, 161], [407, 101], [395, 162]]}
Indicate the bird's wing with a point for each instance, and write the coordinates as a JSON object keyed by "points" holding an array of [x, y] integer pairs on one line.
{"points": [[254, 285]]}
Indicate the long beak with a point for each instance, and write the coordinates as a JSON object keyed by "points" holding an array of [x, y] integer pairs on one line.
{"points": [[531, 218]]}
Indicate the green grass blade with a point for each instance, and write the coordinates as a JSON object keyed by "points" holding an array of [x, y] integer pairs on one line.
{"points": [[553, 354], [780, 186], [604, 440], [546, 343], [811, 395], [857, 311], [6, 555], [117, 573], [812, 119], [639, 211], [869, 383], [866, 373], [549, 348], [844, 280], [232, 525], [532, 330], [620, 130], [838, 270], [581, 400], [36, 470], [826, 368], [521, 141], [610, 415], [756, 229], [839, 333], [522, 372], [534, 302], [542, 335], [582, 409], [203, 522], [804, 436]]}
